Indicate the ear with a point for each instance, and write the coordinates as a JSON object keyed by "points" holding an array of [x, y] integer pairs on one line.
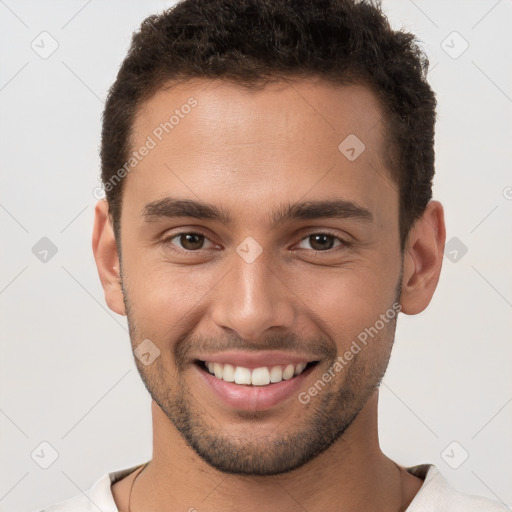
{"points": [[423, 258], [107, 259]]}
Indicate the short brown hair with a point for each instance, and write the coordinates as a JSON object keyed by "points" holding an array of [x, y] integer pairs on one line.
{"points": [[251, 42]]}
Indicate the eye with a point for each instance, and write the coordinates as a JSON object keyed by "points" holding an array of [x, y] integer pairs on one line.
{"points": [[189, 241], [323, 242]]}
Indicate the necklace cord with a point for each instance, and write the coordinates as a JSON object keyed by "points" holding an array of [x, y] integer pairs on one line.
{"points": [[133, 482], [144, 467]]}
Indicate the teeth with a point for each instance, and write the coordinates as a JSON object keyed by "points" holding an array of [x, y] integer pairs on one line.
{"points": [[276, 374], [299, 368], [289, 372], [217, 370], [242, 375], [258, 376], [228, 373]]}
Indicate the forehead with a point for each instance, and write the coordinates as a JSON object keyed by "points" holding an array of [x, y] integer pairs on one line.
{"points": [[285, 140], [313, 106]]}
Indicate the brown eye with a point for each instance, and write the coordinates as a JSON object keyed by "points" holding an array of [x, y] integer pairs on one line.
{"points": [[322, 242], [191, 241], [188, 241]]}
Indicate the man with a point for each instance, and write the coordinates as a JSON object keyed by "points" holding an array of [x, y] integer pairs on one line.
{"points": [[268, 168]]}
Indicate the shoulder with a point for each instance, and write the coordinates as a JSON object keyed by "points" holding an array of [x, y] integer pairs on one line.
{"points": [[98, 497], [436, 494]]}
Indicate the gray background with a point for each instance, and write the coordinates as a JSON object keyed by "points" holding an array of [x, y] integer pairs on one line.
{"points": [[67, 373]]}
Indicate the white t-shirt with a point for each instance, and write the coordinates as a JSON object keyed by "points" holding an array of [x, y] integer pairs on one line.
{"points": [[435, 495]]}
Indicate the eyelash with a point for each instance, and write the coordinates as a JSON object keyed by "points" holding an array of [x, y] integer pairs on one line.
{"points": [[343, 243]]}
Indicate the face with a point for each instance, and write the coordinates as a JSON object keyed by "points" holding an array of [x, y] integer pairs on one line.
{"points": [[255, 248]]}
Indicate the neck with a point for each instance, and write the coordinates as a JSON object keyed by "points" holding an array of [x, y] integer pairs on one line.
{"points": [[353, 474]]}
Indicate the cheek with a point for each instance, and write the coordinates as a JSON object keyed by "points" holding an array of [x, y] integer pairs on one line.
{"points": [[165, 297], [348, 305], [350, 298]]}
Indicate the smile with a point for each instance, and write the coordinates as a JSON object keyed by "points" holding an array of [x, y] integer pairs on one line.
{"points": [[261, 376], [252, 382]]}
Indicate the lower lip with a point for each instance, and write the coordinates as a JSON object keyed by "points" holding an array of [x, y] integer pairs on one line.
{"points": [[254, 398]]}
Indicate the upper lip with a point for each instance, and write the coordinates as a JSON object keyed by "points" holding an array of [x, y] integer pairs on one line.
{"points": [[256, 359]]}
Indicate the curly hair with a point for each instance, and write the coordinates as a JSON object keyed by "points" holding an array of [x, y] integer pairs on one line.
{"points": [[252, 42]]}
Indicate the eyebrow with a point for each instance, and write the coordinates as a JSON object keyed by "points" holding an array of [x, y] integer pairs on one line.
{"points": [[170, 207]]}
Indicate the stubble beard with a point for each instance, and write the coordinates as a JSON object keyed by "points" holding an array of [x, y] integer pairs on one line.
{"points": [[323, 421]]}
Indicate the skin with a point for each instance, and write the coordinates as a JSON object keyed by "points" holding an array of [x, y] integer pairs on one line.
{"points": [[250, 152]]}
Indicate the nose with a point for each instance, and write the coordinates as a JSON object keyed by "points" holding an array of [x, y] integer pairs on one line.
{"points": [[253, 298]]}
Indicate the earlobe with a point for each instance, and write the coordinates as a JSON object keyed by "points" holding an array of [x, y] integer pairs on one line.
{"points": [[107, 258], [423, 259]]}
